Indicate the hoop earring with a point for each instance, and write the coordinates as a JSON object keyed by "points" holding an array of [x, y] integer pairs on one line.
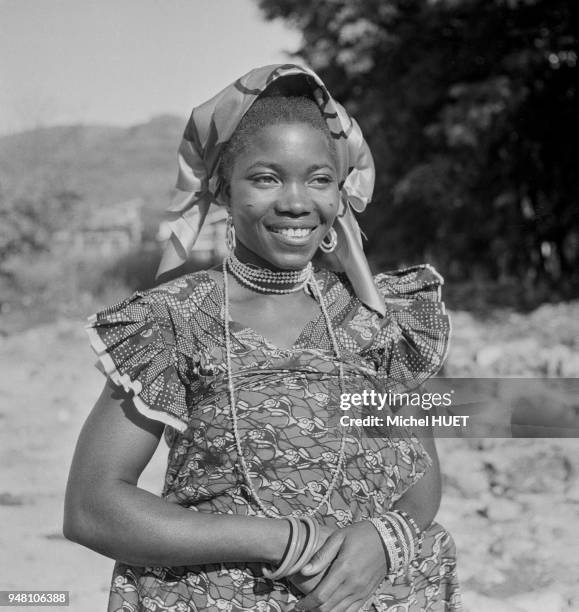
{"points": [[230, 240], [329, 241]]}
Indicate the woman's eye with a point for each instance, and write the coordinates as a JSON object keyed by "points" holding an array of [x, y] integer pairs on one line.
{"points": [[264, 179], [323, 180]]}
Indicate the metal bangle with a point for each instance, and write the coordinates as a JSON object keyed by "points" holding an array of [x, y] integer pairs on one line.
{"points": [[409, 535], [418, 533], [393, 519], [389, 544]]}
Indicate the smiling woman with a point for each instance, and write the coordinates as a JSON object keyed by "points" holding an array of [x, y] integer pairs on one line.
{"points": [[269, 503], [284, 187]]}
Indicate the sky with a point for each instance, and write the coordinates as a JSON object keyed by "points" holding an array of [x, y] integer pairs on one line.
{"points": [[124, 61]]}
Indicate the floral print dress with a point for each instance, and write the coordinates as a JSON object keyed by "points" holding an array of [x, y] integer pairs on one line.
{"points": [[167, 346]]}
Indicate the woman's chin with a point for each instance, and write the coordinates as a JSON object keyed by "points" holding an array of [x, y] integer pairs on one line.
{"points": [[274, 259], [292, 261]]}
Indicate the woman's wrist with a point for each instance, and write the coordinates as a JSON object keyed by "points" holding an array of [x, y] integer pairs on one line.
{"points": [[303, 542], [277, 535], [401, 538]]}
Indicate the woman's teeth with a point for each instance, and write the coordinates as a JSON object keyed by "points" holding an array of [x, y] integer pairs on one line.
{"points": [[294, 232]]}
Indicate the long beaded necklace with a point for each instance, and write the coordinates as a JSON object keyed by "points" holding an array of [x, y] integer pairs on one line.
{"points": [[312, 282]]}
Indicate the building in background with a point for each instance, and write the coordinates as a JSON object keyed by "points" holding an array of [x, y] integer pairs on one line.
{"points": [[106, 231]]}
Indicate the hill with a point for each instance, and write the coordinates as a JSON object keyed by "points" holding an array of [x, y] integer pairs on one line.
{"points": [[104, 165]]}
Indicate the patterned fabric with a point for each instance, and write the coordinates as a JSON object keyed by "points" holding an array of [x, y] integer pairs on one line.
{"points": [[211, 125], [158, 342]]}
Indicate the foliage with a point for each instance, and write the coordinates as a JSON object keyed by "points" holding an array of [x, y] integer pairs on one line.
{"points": [[470, 108], [29, 224], [134, 269]]}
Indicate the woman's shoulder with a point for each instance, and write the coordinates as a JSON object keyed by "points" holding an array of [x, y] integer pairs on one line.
{"points": [[402, 286], [420, 282], [146, 343], [178, 296], [178, 313], [415, 333], [411, 340], [188, 289], [415, 310]]}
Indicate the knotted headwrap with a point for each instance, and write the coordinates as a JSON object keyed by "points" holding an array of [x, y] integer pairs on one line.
{"points": [[211, 125]]}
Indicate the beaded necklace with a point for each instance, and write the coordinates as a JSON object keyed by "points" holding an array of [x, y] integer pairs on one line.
{"points": [[312, 282], [262, 280]]}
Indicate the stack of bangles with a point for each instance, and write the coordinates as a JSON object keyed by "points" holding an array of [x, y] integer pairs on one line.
{"points": [[303, 542], [402, 541], [401, 537]]}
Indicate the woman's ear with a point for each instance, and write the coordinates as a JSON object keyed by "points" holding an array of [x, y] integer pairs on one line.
{"points": [[224, 193], [227, 193]]}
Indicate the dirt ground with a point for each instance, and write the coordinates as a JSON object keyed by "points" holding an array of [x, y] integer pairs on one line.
{"points": [[511, 505]]}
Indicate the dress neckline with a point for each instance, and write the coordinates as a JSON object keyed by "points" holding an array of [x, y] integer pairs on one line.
{"points": [[298, 343]]}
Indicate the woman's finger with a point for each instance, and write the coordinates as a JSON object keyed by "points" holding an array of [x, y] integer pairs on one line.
{"points": [[353, 603], [339, 591], [323, 558], [328, 594], [304, 583], [356, 606]]}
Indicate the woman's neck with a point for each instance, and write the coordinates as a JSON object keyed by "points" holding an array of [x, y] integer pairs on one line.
{"points": [[267, 280]]}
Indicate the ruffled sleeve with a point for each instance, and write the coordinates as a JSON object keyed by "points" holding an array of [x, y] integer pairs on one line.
{"points": [[140, 346], [413, 340]]}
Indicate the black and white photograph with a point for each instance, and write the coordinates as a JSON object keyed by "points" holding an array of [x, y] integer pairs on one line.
{"points": [[289, 305]]}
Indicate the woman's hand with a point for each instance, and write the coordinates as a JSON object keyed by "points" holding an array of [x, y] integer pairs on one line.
{"points": [[349, 566], [307, 583]]}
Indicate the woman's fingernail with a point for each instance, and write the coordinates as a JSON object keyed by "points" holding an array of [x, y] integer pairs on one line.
{"points": [[306, 568]]}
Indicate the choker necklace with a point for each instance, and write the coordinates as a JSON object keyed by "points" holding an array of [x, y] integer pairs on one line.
{"points": [[311, 281], [261, 279]]}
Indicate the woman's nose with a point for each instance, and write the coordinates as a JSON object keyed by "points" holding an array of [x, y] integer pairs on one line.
{"points": [[295, 200]]}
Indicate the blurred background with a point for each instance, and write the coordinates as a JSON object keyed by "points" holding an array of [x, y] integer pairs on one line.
{"points": [[471, 110]]}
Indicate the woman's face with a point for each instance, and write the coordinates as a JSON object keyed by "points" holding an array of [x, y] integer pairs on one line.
{"points": [[283, 196]]}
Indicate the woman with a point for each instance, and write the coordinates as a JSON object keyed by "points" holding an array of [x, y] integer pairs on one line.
{"points": [[268, 503]]}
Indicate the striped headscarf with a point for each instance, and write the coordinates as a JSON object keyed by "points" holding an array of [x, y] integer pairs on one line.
{"points": [[211, 125]]}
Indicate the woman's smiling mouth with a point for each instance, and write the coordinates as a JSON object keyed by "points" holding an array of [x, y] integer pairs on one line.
{"points": [[293, 235]]}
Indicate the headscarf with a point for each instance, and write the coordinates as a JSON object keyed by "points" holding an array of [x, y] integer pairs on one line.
{"points": [[212, 124]]}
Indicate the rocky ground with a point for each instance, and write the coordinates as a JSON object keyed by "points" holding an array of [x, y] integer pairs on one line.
{"points": [[511, 504]]}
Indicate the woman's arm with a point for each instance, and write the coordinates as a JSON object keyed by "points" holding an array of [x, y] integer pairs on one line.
{"points": [[422, 499], [106, 511], [351, 564]]}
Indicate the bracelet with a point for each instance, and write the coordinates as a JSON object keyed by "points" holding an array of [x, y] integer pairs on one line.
{"points": [[402, 540], [418, 533], [410, 536], [396, 545], [304, 538], [311, 544], [384, 537], [290, 551], [389, 544], [395, 522]]}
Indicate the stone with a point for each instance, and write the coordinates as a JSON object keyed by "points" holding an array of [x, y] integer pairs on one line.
{"points": [[572, 492], [544, 601], [475, 602], [470, 483], [489, 355], [63, 416], [501, 509]]}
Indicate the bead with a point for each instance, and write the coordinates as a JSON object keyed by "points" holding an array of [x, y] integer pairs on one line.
{"points": [[262, 280], [311, 282]]}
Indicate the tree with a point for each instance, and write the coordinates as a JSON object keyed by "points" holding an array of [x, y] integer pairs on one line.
{"points": [[470, 108], [27, 225]]}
